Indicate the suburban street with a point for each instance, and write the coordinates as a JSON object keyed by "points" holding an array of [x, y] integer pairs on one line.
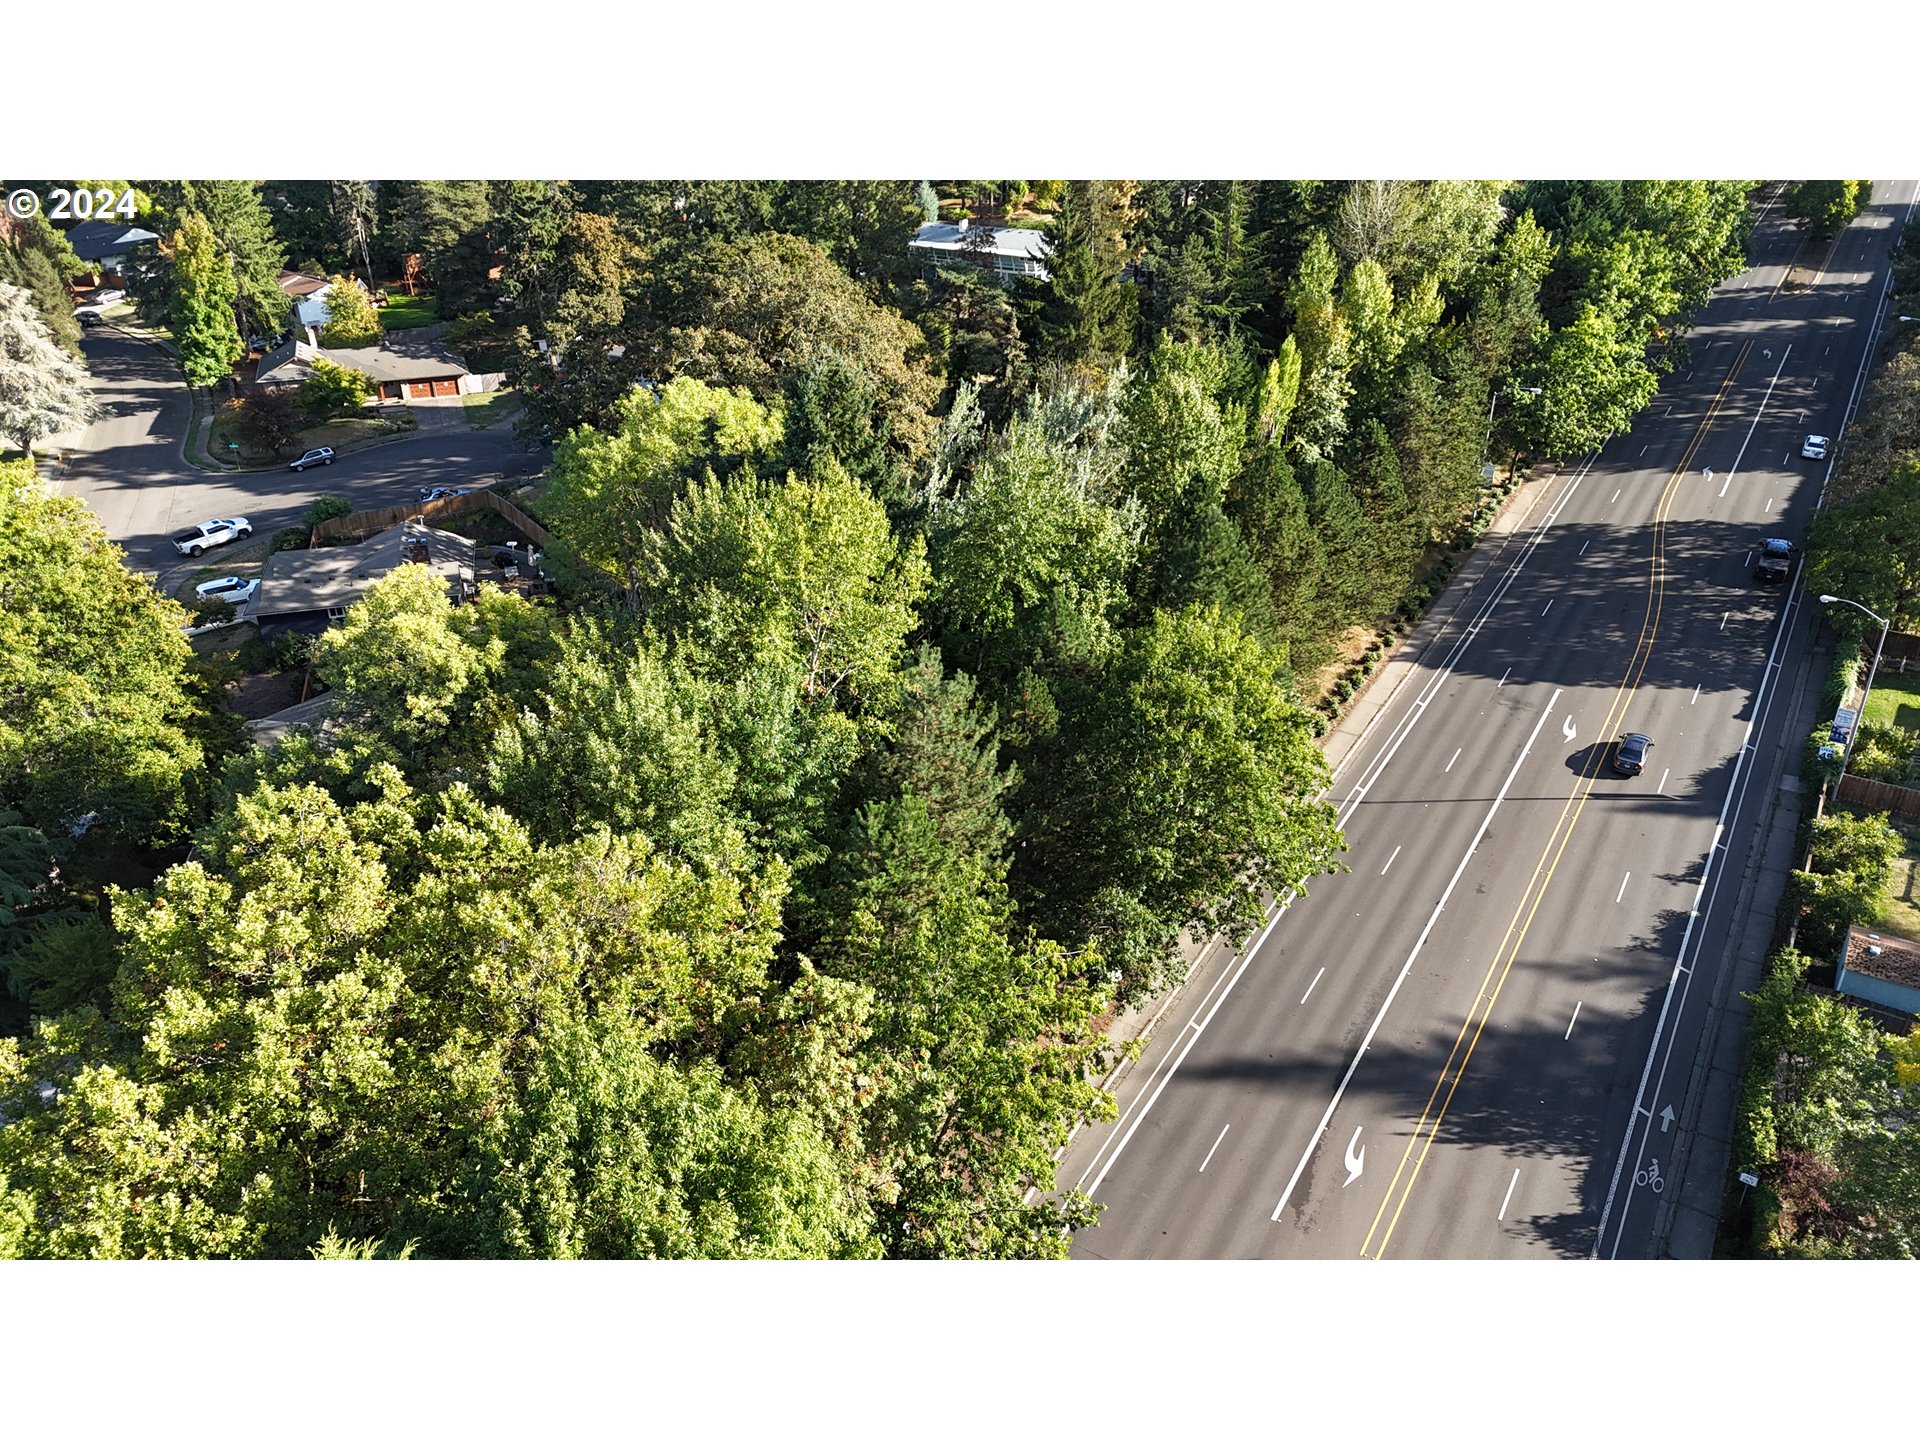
{"points": [[1478, 1042], [128, 466]]}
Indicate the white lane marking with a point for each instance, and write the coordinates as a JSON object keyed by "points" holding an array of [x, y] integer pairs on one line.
{"points": [[1616, 495], [1121, 1134], [1407, 968], [1623, 887], [1546, 607], [1508, 1197], [1643, 449], [1390, 859], [1313, 982], [1682, 972], [1576, 1016], [1696, 696], [1769, 502], [1723, 618], [1661, 788], [1724, 483], [1215, 1146], [1748, 561], [1503, 676], [1786, 460], [1456, 756], [1583, 546]]}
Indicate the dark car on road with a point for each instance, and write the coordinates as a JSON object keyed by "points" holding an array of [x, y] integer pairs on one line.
{"points": [[321, 456], [1631, 757], [443, 492], [1775, 563]]}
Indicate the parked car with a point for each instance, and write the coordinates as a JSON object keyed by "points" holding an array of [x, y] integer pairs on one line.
{"points": [[1814, 448], [1631, 757], [322, 456], [442, 492], [209, 533], [1775, 563], [107, 297], [89, 317], [230, 588]]}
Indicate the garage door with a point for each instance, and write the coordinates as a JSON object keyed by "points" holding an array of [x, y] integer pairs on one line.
{"points": [[446, 387]]}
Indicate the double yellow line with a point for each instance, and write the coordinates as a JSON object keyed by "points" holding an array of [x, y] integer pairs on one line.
{"points": [[1420, 1140]]}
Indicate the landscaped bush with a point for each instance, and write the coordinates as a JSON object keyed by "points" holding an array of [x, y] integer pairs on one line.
{"points": [[293, 537], [1886, 752]]}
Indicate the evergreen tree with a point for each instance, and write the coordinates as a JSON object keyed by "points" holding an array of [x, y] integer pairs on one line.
{"points": [[203, 303], [1089, 320]]}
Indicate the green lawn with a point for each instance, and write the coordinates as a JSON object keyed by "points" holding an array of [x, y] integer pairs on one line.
{"points": [[409, 312], [490, 407], [1896, 698], [1903, 887], [343, 434]]}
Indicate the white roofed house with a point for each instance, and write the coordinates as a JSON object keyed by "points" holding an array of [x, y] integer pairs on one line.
{"points": [[1008, 252]]}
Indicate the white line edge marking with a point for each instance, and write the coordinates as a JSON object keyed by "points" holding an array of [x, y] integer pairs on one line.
{"points": [[1215, 1146], [1623, 887], [1734, 789], [1224, 983], [1507, 1199], [1576, 1016], [1391, 858], [1313, 982], [1407, 968]]}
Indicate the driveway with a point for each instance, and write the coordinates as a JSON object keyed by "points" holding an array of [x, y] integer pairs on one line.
{"points": [[128, 468]]}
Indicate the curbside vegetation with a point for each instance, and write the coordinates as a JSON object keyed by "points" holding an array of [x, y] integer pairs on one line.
{"points": [[1414, 605]]}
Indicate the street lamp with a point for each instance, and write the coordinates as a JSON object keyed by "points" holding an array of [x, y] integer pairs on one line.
{"points": [[1872, 670]]}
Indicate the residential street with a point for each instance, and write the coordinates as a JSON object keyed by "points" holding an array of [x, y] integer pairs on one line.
{"points": [[129, 468]]}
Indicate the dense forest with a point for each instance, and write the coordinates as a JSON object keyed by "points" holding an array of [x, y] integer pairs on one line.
{"points": [[934, 651]]}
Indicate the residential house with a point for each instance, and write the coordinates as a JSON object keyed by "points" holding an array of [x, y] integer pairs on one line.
{"points": [[104, 246], [1883, 970], [403, 367], [307, 590], [1007, 252]]}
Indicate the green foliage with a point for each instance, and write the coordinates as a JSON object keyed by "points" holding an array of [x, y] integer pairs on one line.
{"points": [[203, 303], [38, 259], [610, 494], [352, 320], [1869, 551], [1089, 319], [1826, 207], [269, 423], [333, 390]]}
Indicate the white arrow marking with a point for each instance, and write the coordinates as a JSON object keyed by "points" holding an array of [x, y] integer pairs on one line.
{"points": [[1355, 1161], [1567, 728], [1666, 1119]]}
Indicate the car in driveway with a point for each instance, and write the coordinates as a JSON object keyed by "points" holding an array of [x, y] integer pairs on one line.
{"points": [[443, 492], [1814, 447], [1630, 757], [230, 588], [321, 456]]}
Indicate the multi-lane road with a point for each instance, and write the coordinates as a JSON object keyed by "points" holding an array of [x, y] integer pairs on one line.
{"points": [[1478, 1042], [129, 468]]}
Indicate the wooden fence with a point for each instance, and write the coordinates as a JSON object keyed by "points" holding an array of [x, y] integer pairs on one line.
{"points": [[1878, 795], [363, 523]]}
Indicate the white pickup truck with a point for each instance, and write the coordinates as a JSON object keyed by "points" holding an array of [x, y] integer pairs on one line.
{"points": [[209, 533]]}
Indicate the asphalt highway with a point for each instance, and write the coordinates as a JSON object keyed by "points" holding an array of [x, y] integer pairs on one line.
{"points": [[1476, 1043], [128, 466]]}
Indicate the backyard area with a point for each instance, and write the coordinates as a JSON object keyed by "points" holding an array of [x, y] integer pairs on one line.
{"points": [[409, 312], [1902, 916], [1896, 697]]}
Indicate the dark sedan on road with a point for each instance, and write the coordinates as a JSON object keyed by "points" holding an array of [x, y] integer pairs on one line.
{"points": [[1631, 757]]}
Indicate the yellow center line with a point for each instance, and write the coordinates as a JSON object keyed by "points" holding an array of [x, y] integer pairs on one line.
{"points": [[1422, 1135]]}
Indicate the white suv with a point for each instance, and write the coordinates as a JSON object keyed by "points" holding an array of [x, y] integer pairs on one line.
{"points": [[1815, 448]]}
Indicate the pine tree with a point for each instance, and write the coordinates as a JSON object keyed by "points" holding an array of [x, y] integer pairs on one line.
{"points": [[1090, 317]]}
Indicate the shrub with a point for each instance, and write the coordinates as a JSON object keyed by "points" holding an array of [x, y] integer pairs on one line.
{"points": [[294, 537]]}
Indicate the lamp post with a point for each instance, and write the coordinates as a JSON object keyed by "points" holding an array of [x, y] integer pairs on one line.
{"points": [[1872, 670]]}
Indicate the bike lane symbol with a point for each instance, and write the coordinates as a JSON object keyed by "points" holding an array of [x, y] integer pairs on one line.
{"points": [[1651, 1177]]}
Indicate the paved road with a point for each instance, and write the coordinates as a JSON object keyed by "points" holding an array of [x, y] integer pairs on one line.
{"points": [[128, 466], [1468, 1046]]}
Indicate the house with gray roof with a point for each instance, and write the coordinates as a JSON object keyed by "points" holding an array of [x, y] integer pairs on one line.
{"points": [[1008, 252], [104, 245], [403, 367], [305, 591]]}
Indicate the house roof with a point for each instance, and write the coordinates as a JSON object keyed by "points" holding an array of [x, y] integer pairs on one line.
{"points": [[300, 286], [1898, 961], [994, 239], [97, 239], [313, 311], [396, 358], [299, 582]]}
